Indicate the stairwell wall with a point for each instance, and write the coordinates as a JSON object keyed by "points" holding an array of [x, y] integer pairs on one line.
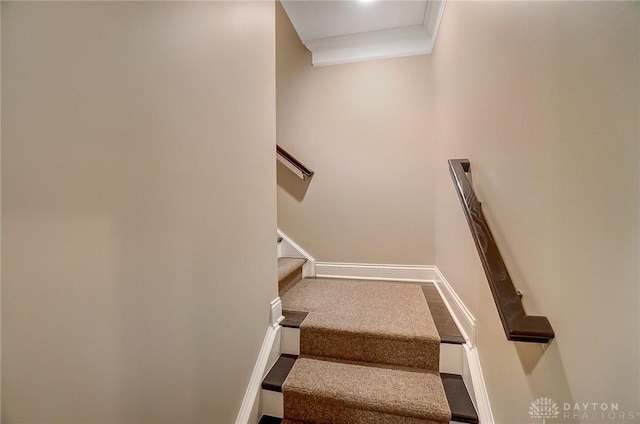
{"points": [[137, 162], [364, 129], [544, 99]]}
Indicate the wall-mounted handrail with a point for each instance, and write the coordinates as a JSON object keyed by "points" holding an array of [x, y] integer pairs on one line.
{"points": [[293, 164], [518, 326]]}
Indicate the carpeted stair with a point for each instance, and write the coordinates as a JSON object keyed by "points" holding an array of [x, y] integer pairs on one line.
{"points": [[289, 273], [369, 353]]}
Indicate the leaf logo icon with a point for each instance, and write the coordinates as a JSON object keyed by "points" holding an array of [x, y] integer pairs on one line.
{"points": [[544, 408]]}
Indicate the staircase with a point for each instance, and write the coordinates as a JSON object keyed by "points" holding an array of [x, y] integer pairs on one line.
{"points": [[357, 351]]}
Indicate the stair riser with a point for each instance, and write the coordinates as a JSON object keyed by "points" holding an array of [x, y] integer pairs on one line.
{"points": [[290, 342], [451, 355], [272, 403], [451, 358], [414, 353], [337, 413], [286, 283]]}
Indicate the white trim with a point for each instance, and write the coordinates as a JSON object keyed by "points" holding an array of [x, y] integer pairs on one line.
{"points": [[250, 406], [389, 272], [460, 313], [397, 42], [269, 351], [475, 385], [275, 318], [471, 368], [291, 249], [432, 19]]}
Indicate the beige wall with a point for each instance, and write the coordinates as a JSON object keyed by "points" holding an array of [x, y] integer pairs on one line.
{"points": [[364, 129], [543, 97], [137, 186]]}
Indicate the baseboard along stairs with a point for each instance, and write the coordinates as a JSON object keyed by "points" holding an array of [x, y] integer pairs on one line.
{"points": [[362, 351]]}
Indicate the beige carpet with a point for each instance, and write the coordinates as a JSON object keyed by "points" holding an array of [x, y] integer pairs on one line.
{"points": [[289, 273], [367, 321]]}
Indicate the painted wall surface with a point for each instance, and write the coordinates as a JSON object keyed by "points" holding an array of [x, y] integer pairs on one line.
{"points": [[543, 98], [364, 129], [137, 163]]}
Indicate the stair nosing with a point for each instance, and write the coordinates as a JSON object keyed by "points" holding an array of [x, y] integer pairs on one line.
{"points": [[457, 415], [445, 324], [279, 372], [449, 339], [293, 319]]}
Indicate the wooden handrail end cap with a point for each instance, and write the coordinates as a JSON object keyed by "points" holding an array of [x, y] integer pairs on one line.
{"points": [[531, 328]]}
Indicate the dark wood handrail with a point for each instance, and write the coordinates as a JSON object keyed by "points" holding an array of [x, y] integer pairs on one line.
{"points": [[518, 326], [292, 163]]}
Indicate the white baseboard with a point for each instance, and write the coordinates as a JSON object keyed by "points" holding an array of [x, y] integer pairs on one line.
{"points": [[275, 317], [408, 273], [269, 352], [474, 380], [471, 368], [460, 313], [289, 248]]}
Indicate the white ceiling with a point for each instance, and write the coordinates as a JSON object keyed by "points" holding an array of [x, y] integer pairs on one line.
{"points": [[324, 19], [355, 30]]}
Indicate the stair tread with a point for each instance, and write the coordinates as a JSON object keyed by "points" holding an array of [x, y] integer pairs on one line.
{"points": [[289, 266], [462, 408], [447, 328], [346, 386], [278, 373]]}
